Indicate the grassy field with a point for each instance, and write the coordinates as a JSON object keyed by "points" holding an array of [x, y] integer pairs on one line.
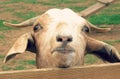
{"points": [[19, 10]]}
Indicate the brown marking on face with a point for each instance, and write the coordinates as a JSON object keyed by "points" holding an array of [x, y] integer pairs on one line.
{"points": [[44, 20], [61, 25]]}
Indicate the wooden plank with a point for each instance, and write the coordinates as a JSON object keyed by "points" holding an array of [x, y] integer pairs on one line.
{"points": [[96, 7], [104, 71]]}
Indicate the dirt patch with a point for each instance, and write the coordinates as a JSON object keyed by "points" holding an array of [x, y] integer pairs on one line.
{"points": [[8, 16], [23, 7], [3, 0]]}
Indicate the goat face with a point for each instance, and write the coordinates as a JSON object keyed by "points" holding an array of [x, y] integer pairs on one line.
{"points": [[59, 40]]}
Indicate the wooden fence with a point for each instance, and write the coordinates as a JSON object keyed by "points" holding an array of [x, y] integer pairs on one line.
{"points": [[104, 71]]}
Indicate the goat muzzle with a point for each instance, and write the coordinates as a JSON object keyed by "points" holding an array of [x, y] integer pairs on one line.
{"points": [[64, 49]]}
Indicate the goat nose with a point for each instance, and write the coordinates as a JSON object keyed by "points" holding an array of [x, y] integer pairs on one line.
{"points": [[64, 38]]}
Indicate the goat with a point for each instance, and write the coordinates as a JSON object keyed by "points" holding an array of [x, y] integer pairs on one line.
{"points": [[59, 39]]}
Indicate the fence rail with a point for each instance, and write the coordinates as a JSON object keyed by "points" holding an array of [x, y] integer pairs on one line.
{"points": [[104, 71], [96, 7]]}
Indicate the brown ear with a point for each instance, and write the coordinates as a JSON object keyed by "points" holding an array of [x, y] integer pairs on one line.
{"points": [[103, 50], [23, 43]]}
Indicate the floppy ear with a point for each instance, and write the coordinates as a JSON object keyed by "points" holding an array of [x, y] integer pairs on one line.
{"points": [[103, 50], [23, 43]]}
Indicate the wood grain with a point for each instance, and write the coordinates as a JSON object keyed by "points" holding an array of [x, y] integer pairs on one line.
{"points": [[104, 71]]}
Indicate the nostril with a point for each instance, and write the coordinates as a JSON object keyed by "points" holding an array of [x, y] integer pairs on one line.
{"points": [[69, 39], [59, 39], [64, 38]]}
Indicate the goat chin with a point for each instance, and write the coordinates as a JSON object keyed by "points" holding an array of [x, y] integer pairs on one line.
{"points": [[64, 59]]}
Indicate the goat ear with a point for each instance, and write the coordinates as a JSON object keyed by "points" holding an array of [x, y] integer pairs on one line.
{"points": [[96, 29], [23, 43], [103, 50]]}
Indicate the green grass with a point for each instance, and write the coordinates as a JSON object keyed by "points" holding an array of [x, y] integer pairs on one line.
{"points": [[111, 42], [90, 59], [77, 8], [9, 10], [1, 36], [111, 11], [25, 15], [27, 62], [19, 67], [25, 1], [17, 1], [48, 2], [105, 19], [67, 1], [58, 2], [6, 68], [1, 56], [17, 64]]}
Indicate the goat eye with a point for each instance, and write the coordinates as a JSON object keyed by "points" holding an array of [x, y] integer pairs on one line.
{"points": [[37, 27], [86, 29]]}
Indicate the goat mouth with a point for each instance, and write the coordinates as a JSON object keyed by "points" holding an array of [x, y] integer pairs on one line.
{"points": [[63, 66], [67, 49]]}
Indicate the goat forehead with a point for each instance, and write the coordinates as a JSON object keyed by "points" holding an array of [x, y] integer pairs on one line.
{"points": [[65, 29], [66, 16], [64, 22]]}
